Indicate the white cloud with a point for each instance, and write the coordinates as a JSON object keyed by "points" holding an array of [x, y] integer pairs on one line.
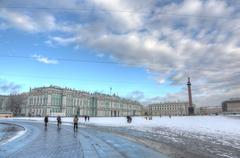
{"points": [[63, 41], [100, 55], [161, 81], [203, 48], [136, 95], [44, 60], [17, 20], [123, 18], [30, 22], [173, 40], [7, 87]]}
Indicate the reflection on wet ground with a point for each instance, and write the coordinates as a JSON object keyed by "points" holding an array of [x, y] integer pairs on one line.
{"points": [[63, 142], [7, 131]]}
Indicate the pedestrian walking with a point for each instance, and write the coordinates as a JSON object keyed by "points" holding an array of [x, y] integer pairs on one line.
{"points": [[45, 120], [129, 119], [85, 117], [88, 118], [75, 123], [59, 121]]}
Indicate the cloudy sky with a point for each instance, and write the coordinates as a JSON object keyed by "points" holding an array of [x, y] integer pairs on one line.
{"points": [[144, 50]]}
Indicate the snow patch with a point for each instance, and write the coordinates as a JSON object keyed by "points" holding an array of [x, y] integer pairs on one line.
{"points": [[18, 134]]}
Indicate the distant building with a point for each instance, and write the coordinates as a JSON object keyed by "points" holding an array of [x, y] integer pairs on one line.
{"points": [[68, 102], [231, 106], [168, 108], [24, 104], [4, 99], [107, 105], [3, 103], [145, 111], [208, 110], [6, 114]]}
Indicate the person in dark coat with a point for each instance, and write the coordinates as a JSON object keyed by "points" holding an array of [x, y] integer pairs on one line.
{"points": [[85, 117], [129, 119], [46, 120], [59, 121]]}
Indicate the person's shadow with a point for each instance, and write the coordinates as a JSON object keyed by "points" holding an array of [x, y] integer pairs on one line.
{"points": [[75, 134], [45, 128], [58, 129]]}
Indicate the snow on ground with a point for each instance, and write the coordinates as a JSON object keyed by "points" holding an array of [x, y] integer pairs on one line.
{"points": [[18, 134], [10, 133], [205, 124], [216, 135]]}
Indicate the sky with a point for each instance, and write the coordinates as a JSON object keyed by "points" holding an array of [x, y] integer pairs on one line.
{"points": [[142, 50]]}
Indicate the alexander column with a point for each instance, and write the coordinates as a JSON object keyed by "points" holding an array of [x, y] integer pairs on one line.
{"points": [[190, 107]]}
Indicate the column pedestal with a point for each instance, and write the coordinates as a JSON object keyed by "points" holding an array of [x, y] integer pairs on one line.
{"points": [[190, 110]]}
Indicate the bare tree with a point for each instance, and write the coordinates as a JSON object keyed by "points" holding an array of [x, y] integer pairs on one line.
{"points": [[14, 103]]}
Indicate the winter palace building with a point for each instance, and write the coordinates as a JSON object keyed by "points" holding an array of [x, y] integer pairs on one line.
{"points": [[55, 100]]}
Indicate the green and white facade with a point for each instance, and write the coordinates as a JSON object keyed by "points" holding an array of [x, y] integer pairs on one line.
{"points": [[54, 101], [3, 103]]}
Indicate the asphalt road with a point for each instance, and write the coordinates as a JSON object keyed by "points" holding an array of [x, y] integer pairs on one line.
{"points": [[87, 142]]}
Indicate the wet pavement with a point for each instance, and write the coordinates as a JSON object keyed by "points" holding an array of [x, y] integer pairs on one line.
{"points": [[87, 142], [7, 131]]}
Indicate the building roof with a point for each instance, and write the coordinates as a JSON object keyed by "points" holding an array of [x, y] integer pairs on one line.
{"points": [[232, 100], [167, 103], [95, 94]]}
